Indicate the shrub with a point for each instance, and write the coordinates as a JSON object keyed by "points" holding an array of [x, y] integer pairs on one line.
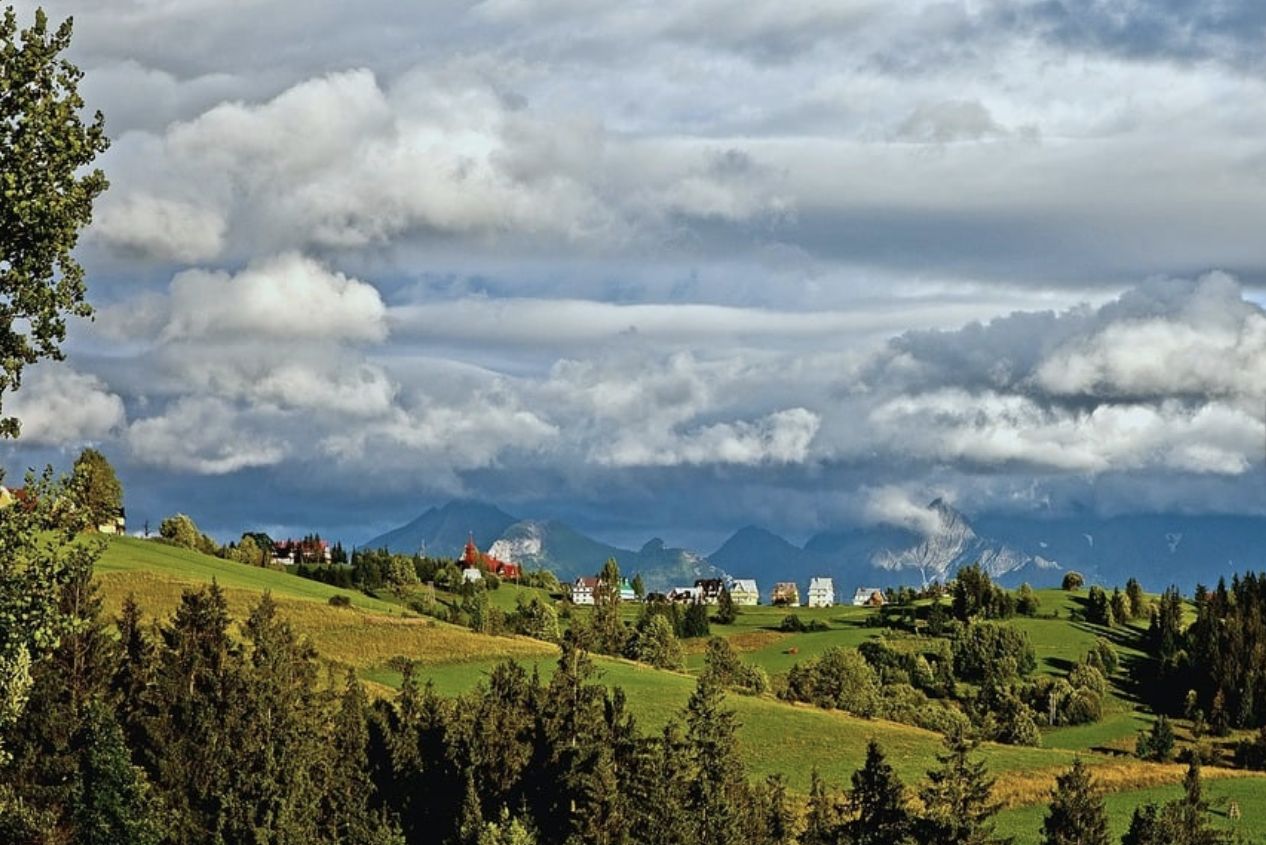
{"points": [[840, 679], [1073, 581], [340, 601], [654, 642]]}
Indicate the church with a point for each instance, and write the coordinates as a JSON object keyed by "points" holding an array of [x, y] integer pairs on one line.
{"points": [[472, 558]]}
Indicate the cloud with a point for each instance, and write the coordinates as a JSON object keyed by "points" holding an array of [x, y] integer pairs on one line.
{"points": [[61, 407], [949, 120], [166, 229], [783, 437], [340, 162], [892, 505], [1206, 342], [288, 296], [202, 436]]}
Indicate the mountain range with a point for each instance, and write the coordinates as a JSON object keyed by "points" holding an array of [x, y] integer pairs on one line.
{"points": [[548, 544], [1158, 549]]}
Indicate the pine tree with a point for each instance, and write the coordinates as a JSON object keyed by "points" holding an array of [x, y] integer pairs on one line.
{"points": [[472, 815], [346, 813], [658, 790], [1077, 815], [1158, 743], [717, 773], [957, 799], [877, 801], [727, 612], [112, 802], [824, 821], [191, 717], [1135, 599], [1144, 827]]}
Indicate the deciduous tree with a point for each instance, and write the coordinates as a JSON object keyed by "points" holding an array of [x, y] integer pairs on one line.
{"points": [[46, 195]]}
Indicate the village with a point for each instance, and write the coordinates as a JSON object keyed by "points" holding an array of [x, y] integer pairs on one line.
{"points": [[744, 592]]}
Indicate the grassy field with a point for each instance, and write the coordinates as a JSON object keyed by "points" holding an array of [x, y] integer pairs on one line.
{"points": [[774, 736], [1025, 822]]}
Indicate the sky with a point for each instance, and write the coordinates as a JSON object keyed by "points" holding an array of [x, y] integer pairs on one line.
{"points": [[668, 269]]}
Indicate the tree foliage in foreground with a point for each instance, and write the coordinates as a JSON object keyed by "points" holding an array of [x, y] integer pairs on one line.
{"points": [[46, 195]]}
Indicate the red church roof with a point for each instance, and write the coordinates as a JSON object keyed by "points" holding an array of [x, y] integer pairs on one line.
{"points": [[472, 557]]}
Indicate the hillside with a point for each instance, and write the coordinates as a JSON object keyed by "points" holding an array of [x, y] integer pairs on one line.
{"points": [[775, 736]]}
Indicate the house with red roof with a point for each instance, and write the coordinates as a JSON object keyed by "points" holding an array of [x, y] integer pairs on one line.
{"points": [[472, 558]]}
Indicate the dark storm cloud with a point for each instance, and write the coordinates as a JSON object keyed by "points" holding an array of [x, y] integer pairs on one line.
{"points": [[1179, 30]]}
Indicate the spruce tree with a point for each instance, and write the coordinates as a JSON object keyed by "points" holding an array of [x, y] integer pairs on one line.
{"points": [[717, 780], [957, 799], [1076, 815], [346, 813], [1144, 827], [112, 802], [824, 820], [877, 801], [1158, 743], [191, 722], [727, 612], [658, 789]]}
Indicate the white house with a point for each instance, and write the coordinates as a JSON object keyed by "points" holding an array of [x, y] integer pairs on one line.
{"points": [[868, 597], [471, 574], [821, 592], [583, 589], [743, 591]]}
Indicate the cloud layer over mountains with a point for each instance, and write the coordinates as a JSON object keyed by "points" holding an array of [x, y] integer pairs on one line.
{"points": [[670, 266]]}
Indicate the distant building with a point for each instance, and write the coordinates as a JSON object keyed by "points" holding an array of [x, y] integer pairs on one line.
{"points": [[743, 592], [869, 597], [821, 592], [307, 550], [786, 593], [471, 574], [709, 589], [626, 590], [685, 595], [583, 589], [473, 558], [117, 525]]}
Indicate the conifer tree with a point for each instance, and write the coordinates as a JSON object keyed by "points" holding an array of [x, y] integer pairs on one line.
{"points": [[1135, 599], [824, 821], [778, 819], [1076, 815], [134, 670], [190, 715], [347, 816], [471, 823], [727, 612], [1158, 743], [957, 799], [877, 803], [717, 774], [1144, 827], [658, 789], [112, 802]]}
